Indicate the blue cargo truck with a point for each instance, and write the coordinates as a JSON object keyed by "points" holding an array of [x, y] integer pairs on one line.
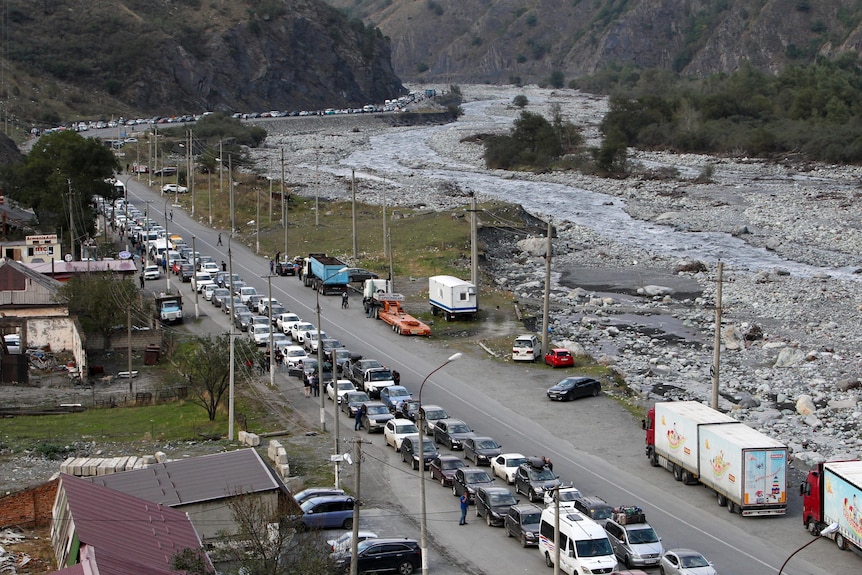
{"points": [[326, 274]]}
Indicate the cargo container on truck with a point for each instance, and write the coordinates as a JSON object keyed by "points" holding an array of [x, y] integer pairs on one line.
{"points": [[832, 493], [326, 274], [746, 469], [452, 297]]}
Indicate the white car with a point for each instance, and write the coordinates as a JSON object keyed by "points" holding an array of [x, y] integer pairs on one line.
{"points": [[245, 293], [280, 341], [310, 340], [259, 334], [505, 466], [293, 354], [342, 385], [396, 430], [568, 495], [208, 291], [285, 320], [211, 268], [298, 331], [685, 562], [200, 280], [263, 303], [343, 543], [174, 189], [152, 273]]}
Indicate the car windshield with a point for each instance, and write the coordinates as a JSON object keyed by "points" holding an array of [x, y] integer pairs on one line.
{"points": [[398, 392], [692, 561], [640, 536], [600, 513], [384, 375], [515, 461], [377, 409], [566, 384], [531, 518], [451, 464], [487, 444], [360, 397], [435, 414], [523, 343], [501, 499], [541, 474], [295, 353], [406, 429], [594, 547], [428, 447], [476, 477], [345, 385], [459, 428], [568, 495]]}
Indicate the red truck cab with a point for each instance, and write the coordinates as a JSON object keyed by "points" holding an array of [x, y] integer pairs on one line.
{"points": [[812, 504], [648, 425]]}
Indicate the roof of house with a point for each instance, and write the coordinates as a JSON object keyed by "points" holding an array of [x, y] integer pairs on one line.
{"points": [[197, 479], [63, 268], [126, 535], [14, 276]]}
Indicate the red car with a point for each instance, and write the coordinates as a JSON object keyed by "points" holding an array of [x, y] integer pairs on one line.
{"points": [[559, 358], [444, 467]]}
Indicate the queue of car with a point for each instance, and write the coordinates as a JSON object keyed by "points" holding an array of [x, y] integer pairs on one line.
{"points": [[389, 408]]}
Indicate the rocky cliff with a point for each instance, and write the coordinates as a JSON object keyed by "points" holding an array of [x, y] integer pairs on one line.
{"points": [[170, 56], [498, 40]]}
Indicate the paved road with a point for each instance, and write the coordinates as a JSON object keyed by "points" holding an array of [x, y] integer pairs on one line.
{"points": [[593, 442]]}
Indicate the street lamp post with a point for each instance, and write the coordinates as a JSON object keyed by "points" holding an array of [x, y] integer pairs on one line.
{"points": [[167, 244], [232, 352], [423, 542], [828, 530]]}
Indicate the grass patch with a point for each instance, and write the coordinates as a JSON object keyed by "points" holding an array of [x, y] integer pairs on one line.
{"points": [[176, 421]]}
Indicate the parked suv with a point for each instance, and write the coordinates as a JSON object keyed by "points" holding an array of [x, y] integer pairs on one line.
{"points": [[376, 416], [328, 512], [451, 433], [493, 503], [468, 480], [410, 451], [522, 521], [534, 478], [526, 348], [635, 542], [385, 555], [595, 508]]}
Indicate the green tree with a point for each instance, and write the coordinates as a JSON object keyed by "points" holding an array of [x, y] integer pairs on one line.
{"points": [[537, 136], [556, 79], [63, 171], [205, 362], [520, 101], [101, 302]]}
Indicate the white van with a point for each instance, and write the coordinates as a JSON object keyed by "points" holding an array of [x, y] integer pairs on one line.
{"points": [[526, 348], [584, 545]]}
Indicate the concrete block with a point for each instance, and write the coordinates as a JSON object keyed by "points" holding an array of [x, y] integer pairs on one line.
{"points": [[274, 444], [281, 456], [253, 439], [144, 460], [66, 466], [283, 470], [161, 456], [242, 437]]}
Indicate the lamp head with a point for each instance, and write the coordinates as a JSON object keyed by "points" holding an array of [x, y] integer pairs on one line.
{"points": [[829, 529], [454, 357]]}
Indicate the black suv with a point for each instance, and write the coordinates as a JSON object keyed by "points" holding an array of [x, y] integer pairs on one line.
{"points": [[451, 433], [522, 521], [595, 508], [468, 480], [534, 478], [410, 451], [403, 556], [493, 503]]}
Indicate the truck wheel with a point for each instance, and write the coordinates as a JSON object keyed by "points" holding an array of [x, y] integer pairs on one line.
{"points": [[731, 507], [840, 541], [812, 527], [686, 477], [677, 472], [653, 458], [434, 311], [548, 561], [722, 499]]}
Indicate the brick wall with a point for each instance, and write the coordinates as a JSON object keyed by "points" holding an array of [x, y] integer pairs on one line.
{"points": [[140, 339], [29, 508]]}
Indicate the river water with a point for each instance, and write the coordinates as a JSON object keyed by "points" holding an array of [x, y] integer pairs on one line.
{"points": [[398, 154]]}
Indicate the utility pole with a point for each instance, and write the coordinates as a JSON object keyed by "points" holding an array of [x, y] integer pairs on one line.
{"points": [[271, 347], [72, 223], [337, 424], [230, 186], [353, 192], [232, 348], [391, 265], [220, 178], [546, 308], [257, 225], [129, 345], [354, 541], [474, 242], [385, 230], [716, 346], [317, 190], [557, 530], [195, 266], [283, 205]]}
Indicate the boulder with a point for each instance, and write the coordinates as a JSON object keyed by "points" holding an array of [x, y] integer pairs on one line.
{"points": [[534, 246], [653, 290], [732, 338], [805, 405], [847, 384], [789, 357]]}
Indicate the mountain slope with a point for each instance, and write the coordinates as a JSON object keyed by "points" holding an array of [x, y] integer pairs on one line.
{"points": [[170, 56], [498, 40]]}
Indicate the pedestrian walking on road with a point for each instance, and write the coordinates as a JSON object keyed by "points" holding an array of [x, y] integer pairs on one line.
{"points": [[465, 503], [142, 280], [345, 303], [172, 215], [271, 267], [218, 243]]}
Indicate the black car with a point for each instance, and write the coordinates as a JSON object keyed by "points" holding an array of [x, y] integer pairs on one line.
{"points": [[595, 508], [410, 451], [243, 320], [481, 450], [522, 521], [493, 503], [186, 272], [407, 409], [575, 387], [309, 369], [533, 478], [402, 556], [469, 479], [359, 275], [444, 468], [451, 433], [351, 401]]}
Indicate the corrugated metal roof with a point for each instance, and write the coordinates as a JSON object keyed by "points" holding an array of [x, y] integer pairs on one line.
{"points": [[196, 479], [14, 276], [129, 536]]}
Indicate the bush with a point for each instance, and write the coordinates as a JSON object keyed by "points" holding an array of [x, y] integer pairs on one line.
{"points": [[520, 101]]}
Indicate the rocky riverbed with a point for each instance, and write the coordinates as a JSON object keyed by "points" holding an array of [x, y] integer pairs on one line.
{"points": [[790, 362]]}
